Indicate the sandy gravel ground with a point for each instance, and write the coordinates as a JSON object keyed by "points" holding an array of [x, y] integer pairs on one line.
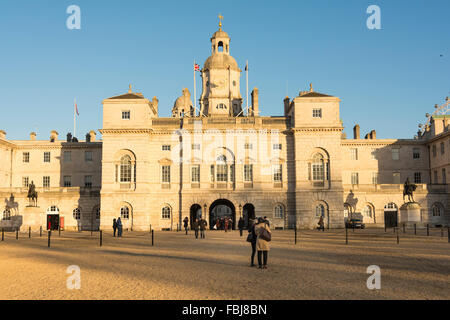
{"points": [[320, 266]]}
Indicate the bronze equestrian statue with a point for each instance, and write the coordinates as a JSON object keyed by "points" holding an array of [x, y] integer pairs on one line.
{"points": [[32, 194], [408, 190]]}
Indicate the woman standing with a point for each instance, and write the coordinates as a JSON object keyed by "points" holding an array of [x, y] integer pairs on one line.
{"points": [[262, 242], [252, 239]]}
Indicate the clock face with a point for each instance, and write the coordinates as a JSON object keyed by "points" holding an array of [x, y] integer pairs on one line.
{"points": [[218, 84]]}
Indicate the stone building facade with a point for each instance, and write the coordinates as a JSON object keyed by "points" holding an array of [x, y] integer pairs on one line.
{"points": [[223, 160]]}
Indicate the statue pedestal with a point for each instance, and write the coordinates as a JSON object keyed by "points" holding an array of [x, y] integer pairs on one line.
{"points": [[410, 213]]}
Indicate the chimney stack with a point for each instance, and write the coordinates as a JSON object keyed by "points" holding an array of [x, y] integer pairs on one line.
{"points": [[255, 104], [53, 136], [155, 104], [93, 135], [2, 134], [356, 132], [286, 105], [33, 136]]}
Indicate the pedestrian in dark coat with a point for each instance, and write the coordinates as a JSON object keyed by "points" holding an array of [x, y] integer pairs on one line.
{"points": [[203, 224], [114, 227], [241, 225], [252, 234], [226, 225], [186, 223], [262, 245], [196, 226], [119, 227], [321, 224]]}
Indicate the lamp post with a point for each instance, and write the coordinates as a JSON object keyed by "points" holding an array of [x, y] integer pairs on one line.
{"points": [[240, 210], [204, 212]]}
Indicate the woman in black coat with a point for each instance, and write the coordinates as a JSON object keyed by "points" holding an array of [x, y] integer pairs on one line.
{"points": [[253, 237]]}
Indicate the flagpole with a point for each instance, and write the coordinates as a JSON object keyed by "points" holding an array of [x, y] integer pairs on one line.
{"points": [[195, 93], [246, 73], [75, 118]]}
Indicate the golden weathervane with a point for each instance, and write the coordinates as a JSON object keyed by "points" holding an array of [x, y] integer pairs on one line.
{"points": [[220, 21]]}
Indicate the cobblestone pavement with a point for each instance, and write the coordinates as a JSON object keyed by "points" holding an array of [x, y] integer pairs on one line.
{"points": [[319, 266]]}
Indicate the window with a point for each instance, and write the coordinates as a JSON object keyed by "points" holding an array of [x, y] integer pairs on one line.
{"points": [[165, 214], [248, 146], [367, 212], [195, 173], [248, 172], [166, 147], [125, 213], [232, 173], [46, 182], [6, 214], [318, 168], [354, 154], [221, 106], [390, 207], [277, 170], [67, 155], [320, 211], [279, 211], [76, 213], [88, 181], [26, 157], [125, 169], [277, 146], [444, 178], [222, 173], [416, 153], [373, 154], [395, 154], [437, 210], [88, 156], [212, 173], [165, 171], [317, 113], [97, 213], [442, 148], [46, 156], [67, 181], [25, 182], [434, 151], [374, 177], [417, 177], [435, 177], [195, 146], [126, 115], [355, 178], [396, 178]]}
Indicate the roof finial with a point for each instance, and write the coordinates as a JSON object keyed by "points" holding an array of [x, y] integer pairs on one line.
{"points": [[130, 91], [220, 21], [311, 88]]}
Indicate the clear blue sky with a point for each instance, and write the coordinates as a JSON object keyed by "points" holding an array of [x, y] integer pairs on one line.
{"points": [[387, 79]]}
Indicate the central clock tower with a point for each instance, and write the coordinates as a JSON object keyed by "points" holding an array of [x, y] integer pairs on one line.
{"points": [[221, 80]]}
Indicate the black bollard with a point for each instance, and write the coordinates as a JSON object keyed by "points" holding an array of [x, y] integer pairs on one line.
{"points": [[49, 236], [17, 233], [385, 228], [415, 229], [448, 234], [40, 231], [3, 235], [295, 230], [59, 231], [29, 232], [404, 228], [442, 232], [428, 229], [346, 235], [177, 227], [398, 239], [101, 238], [153, 238]]}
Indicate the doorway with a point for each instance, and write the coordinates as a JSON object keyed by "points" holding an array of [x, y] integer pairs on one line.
{"points": [[248, 213], [195, 213], [391, 215], [219, 211], [52, 222]]}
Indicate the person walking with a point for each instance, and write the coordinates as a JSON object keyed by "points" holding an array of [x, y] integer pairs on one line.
{"points": [[226, 225], [119, 227], [321, 224], [252, 239], [195, 225], [241, 225], [114, 226], [263, 233], [186, 223], [203, 224]]}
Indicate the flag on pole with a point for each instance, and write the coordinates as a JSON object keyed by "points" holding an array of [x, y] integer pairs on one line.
{"points": [[196, 67], [76, 109], [246, 66]]}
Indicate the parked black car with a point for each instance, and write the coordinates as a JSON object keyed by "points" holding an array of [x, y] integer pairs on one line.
{"points": [[355, 223]]}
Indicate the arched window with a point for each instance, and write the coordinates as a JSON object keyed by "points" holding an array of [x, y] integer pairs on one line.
{"points": [[220, 46], [165, 214], [76, 213], [125, 213], [125, 169], [279, 211], [437, 210], [6, 214], [222, 169], [318, 168], [367, 211], [390, 207], [320, 211]]}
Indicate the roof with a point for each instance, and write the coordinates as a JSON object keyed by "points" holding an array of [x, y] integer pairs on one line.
{"points": [[314, 95], [220, 34], [220, 60], [129, 96]]}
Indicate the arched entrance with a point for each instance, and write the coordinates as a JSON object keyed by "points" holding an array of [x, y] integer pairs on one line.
{"points": [[221, 209], [248, 213], [195, 213]]}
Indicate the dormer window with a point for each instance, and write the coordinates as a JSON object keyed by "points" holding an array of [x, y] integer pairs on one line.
{"points": [[126, 115]]}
